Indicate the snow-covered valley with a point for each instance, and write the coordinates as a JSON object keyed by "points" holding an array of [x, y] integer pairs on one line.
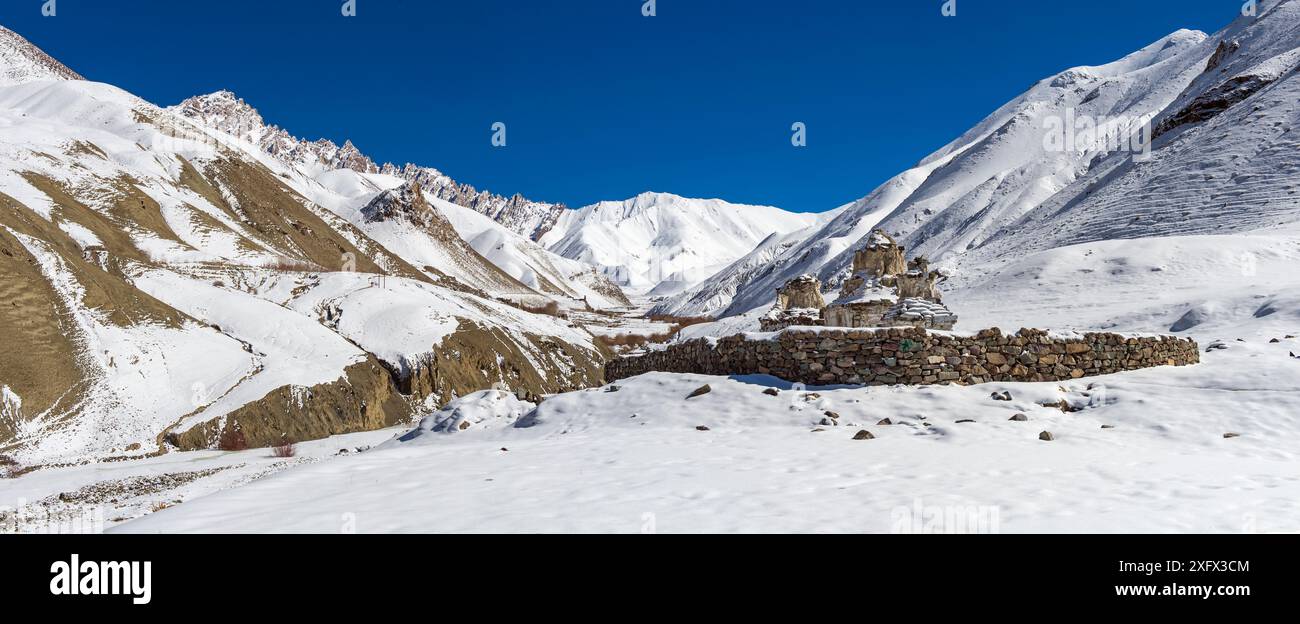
{"points": [[633, 460], [1208, 448], [212, 325]]}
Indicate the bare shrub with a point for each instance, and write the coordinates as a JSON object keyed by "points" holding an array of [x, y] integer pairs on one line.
{"points": [[232, 439], [681, 322], [289, 265], [550, 308], [623, 340], [285, 449], [635, 340]]}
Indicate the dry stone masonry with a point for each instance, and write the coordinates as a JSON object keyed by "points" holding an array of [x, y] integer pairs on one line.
{"points": [[909, 355], [884, 291], [798, 303], [889, 326]]}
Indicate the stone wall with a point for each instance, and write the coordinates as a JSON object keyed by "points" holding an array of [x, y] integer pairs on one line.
{"points": [[913, 356], [777, 320], [857, 314]]}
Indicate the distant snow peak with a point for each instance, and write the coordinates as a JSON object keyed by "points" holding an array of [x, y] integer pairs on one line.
{"points": [[661, 244]]}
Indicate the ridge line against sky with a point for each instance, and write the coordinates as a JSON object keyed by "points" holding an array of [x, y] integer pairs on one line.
{"points": [[601, 102]]}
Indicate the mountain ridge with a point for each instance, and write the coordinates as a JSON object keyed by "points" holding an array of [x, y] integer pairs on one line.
{"points": [[21, 61]]}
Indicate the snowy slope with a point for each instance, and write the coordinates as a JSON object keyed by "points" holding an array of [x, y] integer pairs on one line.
{"points": [[1001, 169], [530, 263], [141, 255], [661, 244], [1225, 160], [519, 269], [1011, 167], [633, 461]]}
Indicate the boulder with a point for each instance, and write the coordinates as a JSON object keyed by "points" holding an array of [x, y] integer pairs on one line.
{"points": [[701, 391]]}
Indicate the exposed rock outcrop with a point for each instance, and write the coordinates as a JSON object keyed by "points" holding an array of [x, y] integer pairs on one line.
{"points": [[477, 358], [366, 399]]}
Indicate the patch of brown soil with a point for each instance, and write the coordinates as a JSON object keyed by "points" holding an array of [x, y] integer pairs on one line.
{"points": [[41, 361], [38, 361], [279, 217]]}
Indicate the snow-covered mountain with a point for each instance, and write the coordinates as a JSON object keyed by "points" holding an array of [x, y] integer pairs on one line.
{"points": [[171, 279], [345, 180], [530, 263], [714, 295], [1225, 159], [20, 62], [521, 215], [1222, 112], [448, 241], [654, 243], [169, 285], [226, 112], [660, 244]]}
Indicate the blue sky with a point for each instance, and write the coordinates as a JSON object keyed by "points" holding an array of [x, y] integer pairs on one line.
{"points": [[601, 102]]}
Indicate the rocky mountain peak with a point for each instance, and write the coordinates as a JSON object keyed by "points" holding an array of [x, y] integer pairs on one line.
{"points": [[226, 112], [518, 213], [21, 62]]}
